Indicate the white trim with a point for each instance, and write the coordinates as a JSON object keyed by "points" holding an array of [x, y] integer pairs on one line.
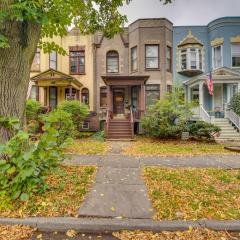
{"points": [[213, 57], [238, 67]]}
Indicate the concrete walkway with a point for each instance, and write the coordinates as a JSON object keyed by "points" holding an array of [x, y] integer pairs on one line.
{"points": [[119, 191]]}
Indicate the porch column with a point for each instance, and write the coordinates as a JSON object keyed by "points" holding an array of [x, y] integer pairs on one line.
{"points": [[201, 93], [109, 98], [143, 107]]}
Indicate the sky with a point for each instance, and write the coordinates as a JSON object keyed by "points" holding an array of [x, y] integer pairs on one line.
{"points": [[182, 12]]}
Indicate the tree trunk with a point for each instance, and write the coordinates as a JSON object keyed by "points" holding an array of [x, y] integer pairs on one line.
{"points": [[15, 65]]}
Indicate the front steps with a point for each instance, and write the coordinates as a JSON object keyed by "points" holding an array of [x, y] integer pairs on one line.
{"points": [[119, 129], [228, 133]]}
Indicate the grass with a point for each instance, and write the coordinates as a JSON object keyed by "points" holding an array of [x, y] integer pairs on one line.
{"points": [[193, 194], [88, 146], [150, 147], [16, 232], [67, 189], [199, 234]]}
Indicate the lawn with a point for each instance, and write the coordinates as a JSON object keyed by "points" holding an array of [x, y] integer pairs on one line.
{"points": [[88, 146], [195, 234], [150, 147], [67, 189], [16, 232], [193, 194]]}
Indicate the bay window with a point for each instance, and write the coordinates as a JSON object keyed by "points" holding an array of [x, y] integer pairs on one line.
{"points": [[191, 59], [112, 62], [134, 64], [217, 56], [152, 56], [169, 59], [236, 55]]}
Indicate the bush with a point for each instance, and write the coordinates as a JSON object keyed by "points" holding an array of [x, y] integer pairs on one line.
{"points": [[201, 129], [24, 165], [33, 110], [61, 122], [167, 118], [235, 103], [78, 110]]}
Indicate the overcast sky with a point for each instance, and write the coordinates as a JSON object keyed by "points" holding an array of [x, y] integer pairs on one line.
{"points": [[182, 12]]}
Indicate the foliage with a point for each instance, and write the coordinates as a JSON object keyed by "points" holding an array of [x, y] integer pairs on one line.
{"points": [[99, 136], [24, 164], [33, 110], [167, 118], [235, 103], [78, 110], [11, 124], [88, 147], [201, 129], [61, 122], [191, 234], [16, 232], [164, 148], [75, 182], [193, 194]]}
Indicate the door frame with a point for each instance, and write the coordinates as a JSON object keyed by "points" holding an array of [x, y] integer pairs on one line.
{"points": [[124, 93], [56, 94]]}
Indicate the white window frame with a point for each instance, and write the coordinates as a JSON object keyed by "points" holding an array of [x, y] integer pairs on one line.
{"points": [[232, 55], [87, 124], [189, 60], [213, 57]]}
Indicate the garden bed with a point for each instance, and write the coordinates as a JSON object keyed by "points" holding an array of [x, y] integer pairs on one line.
{"points": [[67, 189], [151, 147], [194, 194], [88, 146], [195, 234]]}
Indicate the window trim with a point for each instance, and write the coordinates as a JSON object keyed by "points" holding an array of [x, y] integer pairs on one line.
{"points": [[213, 59], [135, 47], [237, 67], [78, 73], [158, 57], [51, 60], [107, 62], [38, 51]]}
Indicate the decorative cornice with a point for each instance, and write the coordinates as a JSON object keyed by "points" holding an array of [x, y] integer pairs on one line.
{"points": [[217, 41], [190, 40], [235, 39]]}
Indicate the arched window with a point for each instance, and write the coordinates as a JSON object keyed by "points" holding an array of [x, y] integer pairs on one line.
{"points": [[85, 96], [112, 62]]}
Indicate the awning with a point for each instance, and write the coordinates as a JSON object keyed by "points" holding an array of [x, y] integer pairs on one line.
{"points": [[128, 80], [53, 77]]}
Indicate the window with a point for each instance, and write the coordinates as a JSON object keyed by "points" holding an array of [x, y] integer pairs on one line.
{"points": [[85, 125], [135, 97], [112, 62], [169, 59], [77, 62], [85, 96], [68, 95], [191, 59], [236, 55], [103, 97], [36, 62], [152, 94], [53, 97], [53, 60], [134, 64], [169, 88], [217, 56], [152, 56], [34, 93]]}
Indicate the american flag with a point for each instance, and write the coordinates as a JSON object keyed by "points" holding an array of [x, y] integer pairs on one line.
{"points": [[209, 83]]}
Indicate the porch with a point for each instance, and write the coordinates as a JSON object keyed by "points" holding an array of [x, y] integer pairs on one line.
{"points": [[55, 87], [125, 105]]}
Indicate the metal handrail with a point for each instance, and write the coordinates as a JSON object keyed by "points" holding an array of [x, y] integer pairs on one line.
{"points": [[204, 114]]}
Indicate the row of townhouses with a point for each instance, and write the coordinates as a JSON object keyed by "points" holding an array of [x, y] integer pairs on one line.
{"points": [[119, 78]]}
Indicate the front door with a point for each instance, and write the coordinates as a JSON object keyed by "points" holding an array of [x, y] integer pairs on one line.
{"points": [[217, 97], [52, 97], [118, 100]]}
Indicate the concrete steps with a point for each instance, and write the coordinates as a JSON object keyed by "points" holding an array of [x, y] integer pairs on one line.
{"points": [[228, 133]]}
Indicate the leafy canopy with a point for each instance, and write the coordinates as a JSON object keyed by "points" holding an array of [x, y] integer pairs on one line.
{"points": [[56, 16]]}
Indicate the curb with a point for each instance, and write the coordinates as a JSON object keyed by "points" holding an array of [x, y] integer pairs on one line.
{"points": [[109, 225]]}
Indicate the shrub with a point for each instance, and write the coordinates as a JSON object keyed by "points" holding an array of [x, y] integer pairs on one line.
{"points": [[235, 103], [61, 122], [167, 118], [78, 110], [201, 129], [33, 110], [24, 165]]}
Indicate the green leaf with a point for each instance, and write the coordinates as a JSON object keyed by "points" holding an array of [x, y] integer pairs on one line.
{"points": [[24, 197], [11, 170]]}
